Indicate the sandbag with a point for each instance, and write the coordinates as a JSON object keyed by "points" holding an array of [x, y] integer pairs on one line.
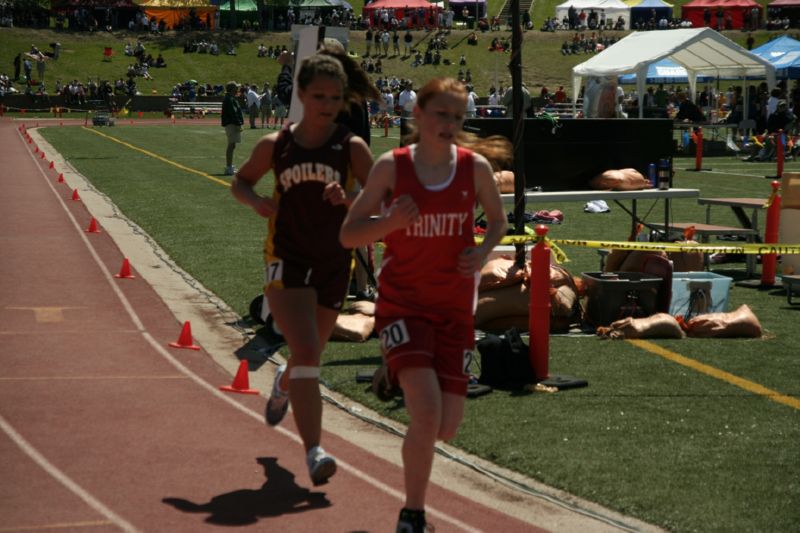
{"points": [[626, 179], [353, 327], [740, 323], [504, 179], [628, 260], [364, 307], [658, 326], [511, 300], [500, 272]]}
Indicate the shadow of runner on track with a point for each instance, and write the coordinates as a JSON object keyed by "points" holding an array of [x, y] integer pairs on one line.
{"points": [[279, 495]]}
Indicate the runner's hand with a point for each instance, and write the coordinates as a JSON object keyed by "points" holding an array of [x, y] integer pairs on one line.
{"points": [[402, 212], [265, 207], [334, 193]]}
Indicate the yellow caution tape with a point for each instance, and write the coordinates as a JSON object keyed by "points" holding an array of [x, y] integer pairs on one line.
{"points": [[742, 248], [558, 253]]}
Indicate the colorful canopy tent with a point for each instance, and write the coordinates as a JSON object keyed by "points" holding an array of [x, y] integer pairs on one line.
{"points": [[176, 12], [613, 9], [784, 54], [472, 6], [310, 4], [643, 11], [399, 8], [698, 50], [740, 12], [245, 10]]}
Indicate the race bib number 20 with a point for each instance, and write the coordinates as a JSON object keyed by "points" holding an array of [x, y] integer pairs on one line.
{"points": [[393, 335]]}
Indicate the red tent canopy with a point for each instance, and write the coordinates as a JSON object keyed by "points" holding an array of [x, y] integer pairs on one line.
{"points": [[404, 9], [738, 13]]}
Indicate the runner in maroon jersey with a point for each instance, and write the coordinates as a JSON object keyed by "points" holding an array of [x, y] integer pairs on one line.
{"points": [[316, 163], [427, 286]]}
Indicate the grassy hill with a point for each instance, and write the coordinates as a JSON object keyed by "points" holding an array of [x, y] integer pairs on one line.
{"points": [[82, 55]]}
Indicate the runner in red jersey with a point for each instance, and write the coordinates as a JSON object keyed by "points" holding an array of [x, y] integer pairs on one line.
{"points": [[306, 267], [426, 194]]}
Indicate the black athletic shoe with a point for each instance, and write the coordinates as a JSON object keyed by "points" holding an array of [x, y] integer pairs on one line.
{"points": [[413, 521]]}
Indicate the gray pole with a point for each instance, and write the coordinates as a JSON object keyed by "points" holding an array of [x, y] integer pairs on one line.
{"points": [[518, 128]]}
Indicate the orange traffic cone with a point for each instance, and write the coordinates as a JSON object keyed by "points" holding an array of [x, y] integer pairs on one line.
{"points": [[60, 177], [42, 154], [241, 382], [52, 164], [75, 195], [125, 270], [185, 340], [93, 227], [35, 149]]}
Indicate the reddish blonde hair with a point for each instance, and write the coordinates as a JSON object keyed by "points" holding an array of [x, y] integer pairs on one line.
{"points": [[496, 148]]}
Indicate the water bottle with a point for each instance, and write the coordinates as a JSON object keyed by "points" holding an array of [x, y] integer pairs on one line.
{"points": [[651, 174], [663, 174]]}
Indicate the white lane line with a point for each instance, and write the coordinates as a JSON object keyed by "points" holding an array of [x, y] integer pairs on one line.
{"points": [[62, 478]]}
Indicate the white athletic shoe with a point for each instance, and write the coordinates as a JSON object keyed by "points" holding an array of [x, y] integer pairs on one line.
{"points": [[321, 466], [278, 402]]}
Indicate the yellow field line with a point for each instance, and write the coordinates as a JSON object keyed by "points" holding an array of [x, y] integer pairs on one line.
{"points": [[159, 157], [742, 383]]}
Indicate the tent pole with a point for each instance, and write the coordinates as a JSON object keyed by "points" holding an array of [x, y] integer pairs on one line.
{"points": [[518, 127]]}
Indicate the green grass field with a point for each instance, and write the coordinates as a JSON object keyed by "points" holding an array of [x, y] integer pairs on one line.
{"points": [[650, 437], [82, 56]]}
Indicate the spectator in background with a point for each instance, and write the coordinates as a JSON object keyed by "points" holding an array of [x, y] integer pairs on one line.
{"points": [[232, 121], [472, 102], [560, 96], [251, 100], [407, 98], [526, 101], [688, 110], [265, 106]]}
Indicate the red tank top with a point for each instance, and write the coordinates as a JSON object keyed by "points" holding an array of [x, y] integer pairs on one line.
{"points": [[419, 274]]}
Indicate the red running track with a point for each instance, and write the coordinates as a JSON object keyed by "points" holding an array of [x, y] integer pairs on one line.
{"points": [[105, 428]]}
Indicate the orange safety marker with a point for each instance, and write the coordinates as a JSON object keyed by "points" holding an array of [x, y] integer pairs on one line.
{"points": [[185, 340], [93, 226], [75, 195], [539, 314], [60, 177], [241, 382], [769, 261], [52, 164], [125, 270]]}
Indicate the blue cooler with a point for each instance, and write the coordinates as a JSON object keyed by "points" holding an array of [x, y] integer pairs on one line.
{"points": [[697, 293]]}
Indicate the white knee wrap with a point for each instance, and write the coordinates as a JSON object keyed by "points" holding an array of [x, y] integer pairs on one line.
{"points": [[304, 372]]}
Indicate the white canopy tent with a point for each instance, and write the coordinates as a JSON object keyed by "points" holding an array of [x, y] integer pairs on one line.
{"points": [[698, 50], [612, 9]]}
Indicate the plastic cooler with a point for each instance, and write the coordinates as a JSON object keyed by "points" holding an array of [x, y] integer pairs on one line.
{"points": [[696, 293], [615, 295]]}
